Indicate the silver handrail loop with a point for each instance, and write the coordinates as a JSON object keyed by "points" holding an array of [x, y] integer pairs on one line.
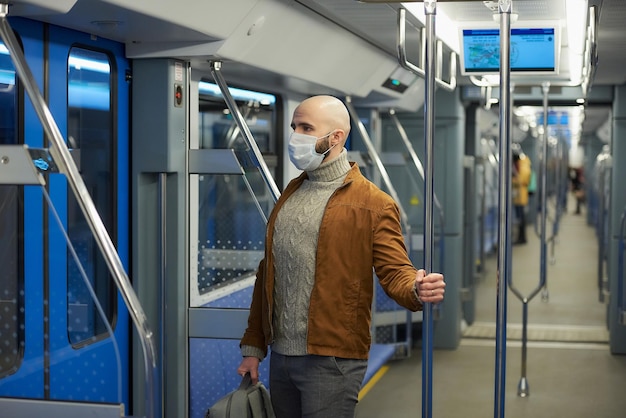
{"points": [[405, 63]]}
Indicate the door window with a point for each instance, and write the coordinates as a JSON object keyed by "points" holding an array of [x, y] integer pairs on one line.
{"points": [[11, 230], [90, 138]]}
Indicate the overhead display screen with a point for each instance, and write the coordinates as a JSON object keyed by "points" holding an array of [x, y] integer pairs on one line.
{"points": [[533, 50]]}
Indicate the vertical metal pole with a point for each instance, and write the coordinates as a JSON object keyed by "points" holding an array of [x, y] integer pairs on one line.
{"points": [[523, 389], [620, 273], [600, 229], [430, 10], [483, 207], [162, 201], [504, 231], [543, 273]]}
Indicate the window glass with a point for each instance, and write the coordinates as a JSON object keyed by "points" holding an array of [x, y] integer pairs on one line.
{"points": [[91, 141], [11, 230], [233, 208]]}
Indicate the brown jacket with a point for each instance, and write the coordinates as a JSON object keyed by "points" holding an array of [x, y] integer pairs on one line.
{"points": [[360, 230]]}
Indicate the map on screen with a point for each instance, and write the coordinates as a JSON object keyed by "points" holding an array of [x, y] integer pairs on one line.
{"points": [[532, 50]]}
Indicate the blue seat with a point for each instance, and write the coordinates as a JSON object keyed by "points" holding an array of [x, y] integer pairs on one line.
{"points": [[380, 354]]}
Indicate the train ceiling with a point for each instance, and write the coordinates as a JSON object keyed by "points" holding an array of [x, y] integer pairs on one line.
{"points": [[161, 23], [376, 21]]}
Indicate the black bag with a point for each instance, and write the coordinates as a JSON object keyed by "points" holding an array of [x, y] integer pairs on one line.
{"points": [[248, 401]]}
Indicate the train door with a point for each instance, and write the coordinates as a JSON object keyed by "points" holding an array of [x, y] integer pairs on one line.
{"points": [[227, 234], [56, 345]]}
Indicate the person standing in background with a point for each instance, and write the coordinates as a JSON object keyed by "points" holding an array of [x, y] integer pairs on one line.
{"points": [[576, 177], [520, 182]]}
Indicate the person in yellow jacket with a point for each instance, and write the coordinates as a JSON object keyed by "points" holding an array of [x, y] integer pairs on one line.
{"points": [[521, 179]]}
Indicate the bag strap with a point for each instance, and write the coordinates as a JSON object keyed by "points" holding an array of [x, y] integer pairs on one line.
{"points": [[239, 400], [269, 408], [246, 381], [260, 402], [256, 404]]}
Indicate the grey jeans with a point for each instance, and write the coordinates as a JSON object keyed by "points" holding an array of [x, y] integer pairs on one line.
{"points": [[315, 386]]}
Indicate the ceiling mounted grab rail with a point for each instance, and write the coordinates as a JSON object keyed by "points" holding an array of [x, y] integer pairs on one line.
{"points": [[405, 63]]}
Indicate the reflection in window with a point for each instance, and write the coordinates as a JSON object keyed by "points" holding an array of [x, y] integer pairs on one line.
{"points": [[11, 230], [232, 232], [232, 208], [91, 137], [218, 128]]}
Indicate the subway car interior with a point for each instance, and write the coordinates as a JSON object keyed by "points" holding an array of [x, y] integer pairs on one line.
{"points": [[143, 145]]}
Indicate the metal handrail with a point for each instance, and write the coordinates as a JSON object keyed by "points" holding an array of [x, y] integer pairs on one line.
{"points": [[544, 203], [374, 156], [405, 63], [162, 231], [231, 137], [481, 222], [523, 390], [414, 158], [64, 161], [543, 281], [505, 204], [420, 169], [378, 162], [430, 10], [601, 236], [604, 166], [216, 67], [621, 309], [233, 129]]}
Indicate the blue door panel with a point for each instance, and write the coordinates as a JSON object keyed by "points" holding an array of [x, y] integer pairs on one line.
{"points": [[27, 380], [52, 367], [87, 372]]}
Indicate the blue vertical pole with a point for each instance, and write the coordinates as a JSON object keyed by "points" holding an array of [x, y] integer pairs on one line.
{"points": [[430, 8], [504, 185]]}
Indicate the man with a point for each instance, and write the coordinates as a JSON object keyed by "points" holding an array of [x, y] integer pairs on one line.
{"points": [[313, 294]]}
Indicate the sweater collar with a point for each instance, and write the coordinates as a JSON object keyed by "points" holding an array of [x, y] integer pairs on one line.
{"points": [[331, 170]]}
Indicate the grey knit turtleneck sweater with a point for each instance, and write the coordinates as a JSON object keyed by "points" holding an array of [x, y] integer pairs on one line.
{"points": [[294, 248]]}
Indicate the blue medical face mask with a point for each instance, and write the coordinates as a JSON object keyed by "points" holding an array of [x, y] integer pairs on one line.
{"points": [[302, 151]]}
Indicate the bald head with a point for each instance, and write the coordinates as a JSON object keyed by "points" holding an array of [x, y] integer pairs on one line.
{"points": [[320, 116], [328, 110]]}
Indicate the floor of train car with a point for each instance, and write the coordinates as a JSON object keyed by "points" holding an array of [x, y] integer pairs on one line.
{"points": [[570, 371]]}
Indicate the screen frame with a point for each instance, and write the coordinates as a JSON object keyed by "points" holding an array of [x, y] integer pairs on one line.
{"points": [[546, 24]]}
